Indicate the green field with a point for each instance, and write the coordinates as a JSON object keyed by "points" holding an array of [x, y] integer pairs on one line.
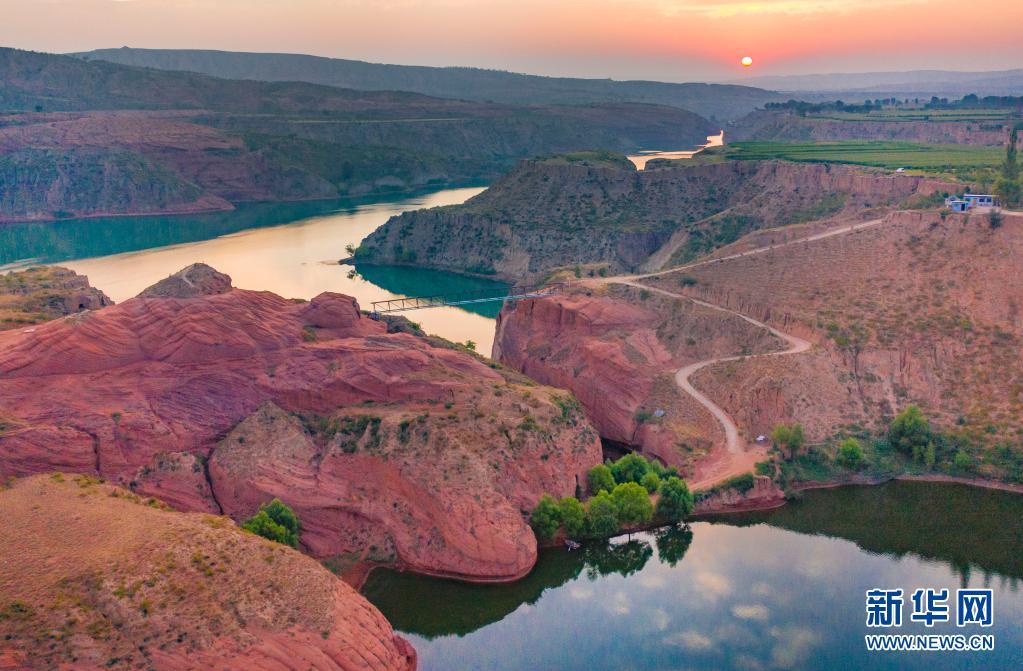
{"points": [[881, 154]]}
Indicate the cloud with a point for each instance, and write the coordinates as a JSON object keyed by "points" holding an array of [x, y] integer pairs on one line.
{"points": [[793, 646], [713, 585], [661, 619], [690, 640], [751, 612]]}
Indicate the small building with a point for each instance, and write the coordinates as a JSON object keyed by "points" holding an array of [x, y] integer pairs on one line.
{"points": [[979, 200], [957, 204]]}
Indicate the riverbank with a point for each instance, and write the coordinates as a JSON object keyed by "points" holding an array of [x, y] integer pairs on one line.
{"points": [[359, 572]]}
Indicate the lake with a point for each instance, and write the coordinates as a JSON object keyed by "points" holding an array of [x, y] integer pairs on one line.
{"points": [[780, 589], [291, 249]]}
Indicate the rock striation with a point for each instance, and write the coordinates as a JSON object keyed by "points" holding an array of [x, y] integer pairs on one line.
{"points": [[388, 445]]}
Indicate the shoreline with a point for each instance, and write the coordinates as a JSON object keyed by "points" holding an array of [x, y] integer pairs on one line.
{"points": [[357, 574]]}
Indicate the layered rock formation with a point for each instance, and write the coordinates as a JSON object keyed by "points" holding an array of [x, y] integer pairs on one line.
{"points": [[617, 349], [388, 445], [573, 210], [39, 294], [131, 585]]}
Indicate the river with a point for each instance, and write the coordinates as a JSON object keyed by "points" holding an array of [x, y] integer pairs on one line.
{"points": [[780, 589], [642, 158], [291, 249]]}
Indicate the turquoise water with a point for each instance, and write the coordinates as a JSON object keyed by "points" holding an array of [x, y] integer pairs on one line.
{"points": [[290, 249], [781, 589]]}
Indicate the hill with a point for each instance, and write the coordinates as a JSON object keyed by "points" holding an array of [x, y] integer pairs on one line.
{"points": [[88, 138], [718, 101], [934, 325], [44, 293], [585, 209], [129, 584]]}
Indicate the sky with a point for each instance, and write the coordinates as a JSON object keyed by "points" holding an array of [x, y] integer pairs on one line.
{"points": [[669, 40]]}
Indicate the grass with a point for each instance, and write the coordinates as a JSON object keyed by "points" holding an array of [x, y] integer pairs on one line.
{"points": [[922, 114], [881, 154]]}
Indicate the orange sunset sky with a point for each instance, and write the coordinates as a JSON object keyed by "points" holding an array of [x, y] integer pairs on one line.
{"points": [[671, 40]]}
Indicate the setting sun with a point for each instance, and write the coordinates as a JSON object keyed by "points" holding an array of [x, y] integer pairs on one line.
{"points": [[746, 61]]}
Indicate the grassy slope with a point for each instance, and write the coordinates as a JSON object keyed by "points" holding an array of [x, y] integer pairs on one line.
{"points": [[882, 154]]}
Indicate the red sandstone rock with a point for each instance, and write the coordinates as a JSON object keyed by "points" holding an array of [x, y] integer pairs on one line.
{"points": [[449, 455]]}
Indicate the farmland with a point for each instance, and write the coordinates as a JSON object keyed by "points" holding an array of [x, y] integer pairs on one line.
{"points": [[881, 154]]}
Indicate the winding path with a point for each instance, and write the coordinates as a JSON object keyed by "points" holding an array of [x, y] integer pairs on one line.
{"points": [[740, 458]]}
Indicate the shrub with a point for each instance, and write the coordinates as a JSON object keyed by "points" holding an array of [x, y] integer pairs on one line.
{"points": [[788, 438], [573, 515], [850, 454], [601, 516], [675, 502], [275, 521], [600, 479], [910, 432], [688, 281], [963, 461], [633, 504], [546, 518], [630, 468], [651, 482]]}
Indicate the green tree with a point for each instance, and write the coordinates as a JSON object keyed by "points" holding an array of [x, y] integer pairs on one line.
{"points": [[910, 432], [633, 504], [651, 482], [675, 502], [600, 479], [602, 516], [275, 521], [850, 454], [788, 438], [630, 468], [573, 515], [1008, 186], [545, 518]]}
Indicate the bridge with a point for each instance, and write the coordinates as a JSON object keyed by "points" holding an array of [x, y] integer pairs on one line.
{"points": [[464, 298]]}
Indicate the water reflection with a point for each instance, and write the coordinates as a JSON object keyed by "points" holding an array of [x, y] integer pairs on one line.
{"points": [[642, 158], [777, 590]]}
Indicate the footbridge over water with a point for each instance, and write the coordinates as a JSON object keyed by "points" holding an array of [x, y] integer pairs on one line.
{"points": [[514, 293]]}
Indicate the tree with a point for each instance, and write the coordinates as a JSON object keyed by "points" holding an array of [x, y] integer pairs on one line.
{"points": [[672, 544], [788, 438], [651, 482], [1008, 187], [573, 515], [850, 454], [275, 521], [633, 504], [602, 516], [630, 468], [545, 518], [675, 502], [600, 479], [910, 432]]}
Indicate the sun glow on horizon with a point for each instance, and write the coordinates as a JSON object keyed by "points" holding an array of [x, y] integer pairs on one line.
{"points": [[746, 61]]}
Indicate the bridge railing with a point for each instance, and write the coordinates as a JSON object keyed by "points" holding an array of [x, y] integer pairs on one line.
{"points": [[517, 292]]}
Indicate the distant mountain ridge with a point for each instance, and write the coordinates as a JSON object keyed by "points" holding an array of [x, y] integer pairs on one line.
{"points": [[86, 138], [931, 82], [720, 101]]}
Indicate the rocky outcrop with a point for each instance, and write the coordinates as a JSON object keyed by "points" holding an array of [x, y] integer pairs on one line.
{"points": [[563, 212], [219, 399], [618, 352], [131, 585], [39, 294]]}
